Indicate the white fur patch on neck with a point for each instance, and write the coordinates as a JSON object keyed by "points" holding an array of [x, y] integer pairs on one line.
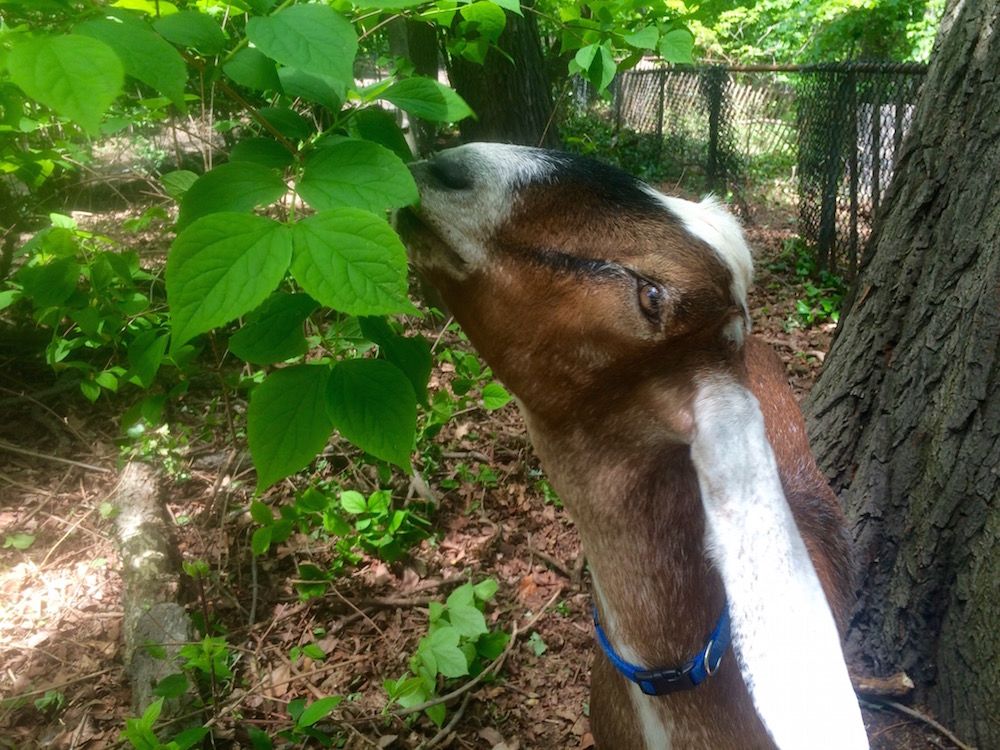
{"points": [[656, 732], [784, 634], [711, 223]]}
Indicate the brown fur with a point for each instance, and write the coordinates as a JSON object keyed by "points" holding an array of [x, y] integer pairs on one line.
{"points": [[607, 397]]}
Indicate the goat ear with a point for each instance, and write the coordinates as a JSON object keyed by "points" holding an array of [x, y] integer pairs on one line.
{"points": [[783, 631]]}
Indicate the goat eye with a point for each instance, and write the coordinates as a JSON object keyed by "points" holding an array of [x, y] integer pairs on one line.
{"points": [[650, 297]]}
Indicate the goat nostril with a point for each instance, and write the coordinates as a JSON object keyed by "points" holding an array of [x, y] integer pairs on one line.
{"points": [[450, 173]]}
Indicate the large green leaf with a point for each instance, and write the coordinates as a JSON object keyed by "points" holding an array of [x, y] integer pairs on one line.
{"points": [[427, 99], [287, 421], [50, 284], [411, 354], [320, 89], [273, 332], [189, 28], [311, 38], [264, 151], [143, 52], [253, 69], [485, 17], [75, 75], [223, 266], [644, 38], [378, 125], [237, 186], [288, 122], [360, 174], [352, 261], [448, 657], [677, 46], [371, 403]]}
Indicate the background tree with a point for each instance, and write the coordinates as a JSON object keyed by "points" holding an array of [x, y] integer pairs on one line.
{"points": [[906, 416]]}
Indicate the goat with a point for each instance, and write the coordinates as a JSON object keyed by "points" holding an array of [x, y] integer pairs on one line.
{"points": [[618, 318]]}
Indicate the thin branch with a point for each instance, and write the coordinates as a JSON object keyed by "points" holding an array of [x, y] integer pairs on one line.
{"points": [[4, 445], [913, 713]]}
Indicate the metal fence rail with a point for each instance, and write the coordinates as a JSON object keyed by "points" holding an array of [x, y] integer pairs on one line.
{"points": [[831, 131]]}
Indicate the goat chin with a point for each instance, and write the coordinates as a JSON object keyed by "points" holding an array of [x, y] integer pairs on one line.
{"points": [[618, 318]]}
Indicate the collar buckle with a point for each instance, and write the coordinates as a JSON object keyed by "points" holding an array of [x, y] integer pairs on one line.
{"points": [[664, 681]]}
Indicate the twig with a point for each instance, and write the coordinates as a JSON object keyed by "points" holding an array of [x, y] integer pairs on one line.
{"points": [[24, 452], [444, 330], [913, 713], [61, 685], [364, 616], [448, 728], [552, 562]]}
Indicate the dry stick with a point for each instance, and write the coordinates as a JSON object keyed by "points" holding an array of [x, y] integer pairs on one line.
{"points": [[24, 452], [350, 604], [61, 685], [444, 330], [913, 713], [551, 561], [448, 728]]}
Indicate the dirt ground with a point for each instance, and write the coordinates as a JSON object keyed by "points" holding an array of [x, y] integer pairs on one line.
{"points": [[62, 681]]}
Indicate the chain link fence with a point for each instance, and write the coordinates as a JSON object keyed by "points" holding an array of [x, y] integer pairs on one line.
{"points": [[826, 136]]}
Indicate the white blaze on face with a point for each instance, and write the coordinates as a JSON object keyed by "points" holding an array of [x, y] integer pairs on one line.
{"points": [[465, 218], [714, 225], [784, 635]]}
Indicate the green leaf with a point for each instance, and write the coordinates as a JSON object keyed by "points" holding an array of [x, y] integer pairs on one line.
{"points": [[387, 4], [144, 54], [411, 354], [375, 124], [178, 182], [19, 541], [427, 99], [287, 421], [352, 261], [485, 590], [677, 46], [50, 284], [289, 123], [264, 151], [436, 714], [358, 174], [353, 502], [261, 513], [221, 267], [314, 652], [449, 658], [311, 87], [188, 738], [311, 38], [189, 28], [171, 686], [644, 38], [537, 644], [318, 710], [485, 17], [273, 332], [238, 186], [371, 403], [495, 396], [491, 645], [512, 5], [145, 354], [253, 69], [77, 76], [465, 617], [260, 540], [598, 63]]}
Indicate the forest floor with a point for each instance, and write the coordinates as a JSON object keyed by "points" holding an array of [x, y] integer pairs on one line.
{"points": [[62, 682]]}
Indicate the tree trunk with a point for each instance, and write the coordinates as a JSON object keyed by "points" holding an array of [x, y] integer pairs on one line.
{"points": [[906, 415], [510, 91]]}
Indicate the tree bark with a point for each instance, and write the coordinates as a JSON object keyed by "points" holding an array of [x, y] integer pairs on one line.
{"points": [[510, 91], [906, 415]]}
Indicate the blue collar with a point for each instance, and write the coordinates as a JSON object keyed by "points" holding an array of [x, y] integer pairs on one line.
{"points": [[699, 668]]}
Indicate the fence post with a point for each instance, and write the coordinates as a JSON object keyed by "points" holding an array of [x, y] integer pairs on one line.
{"points": [[713, 92], [661, 102], [852, 130]]}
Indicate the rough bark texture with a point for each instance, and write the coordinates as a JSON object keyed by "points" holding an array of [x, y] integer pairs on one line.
{"points": [[906, 416], [510, 91], [150, 572]]}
